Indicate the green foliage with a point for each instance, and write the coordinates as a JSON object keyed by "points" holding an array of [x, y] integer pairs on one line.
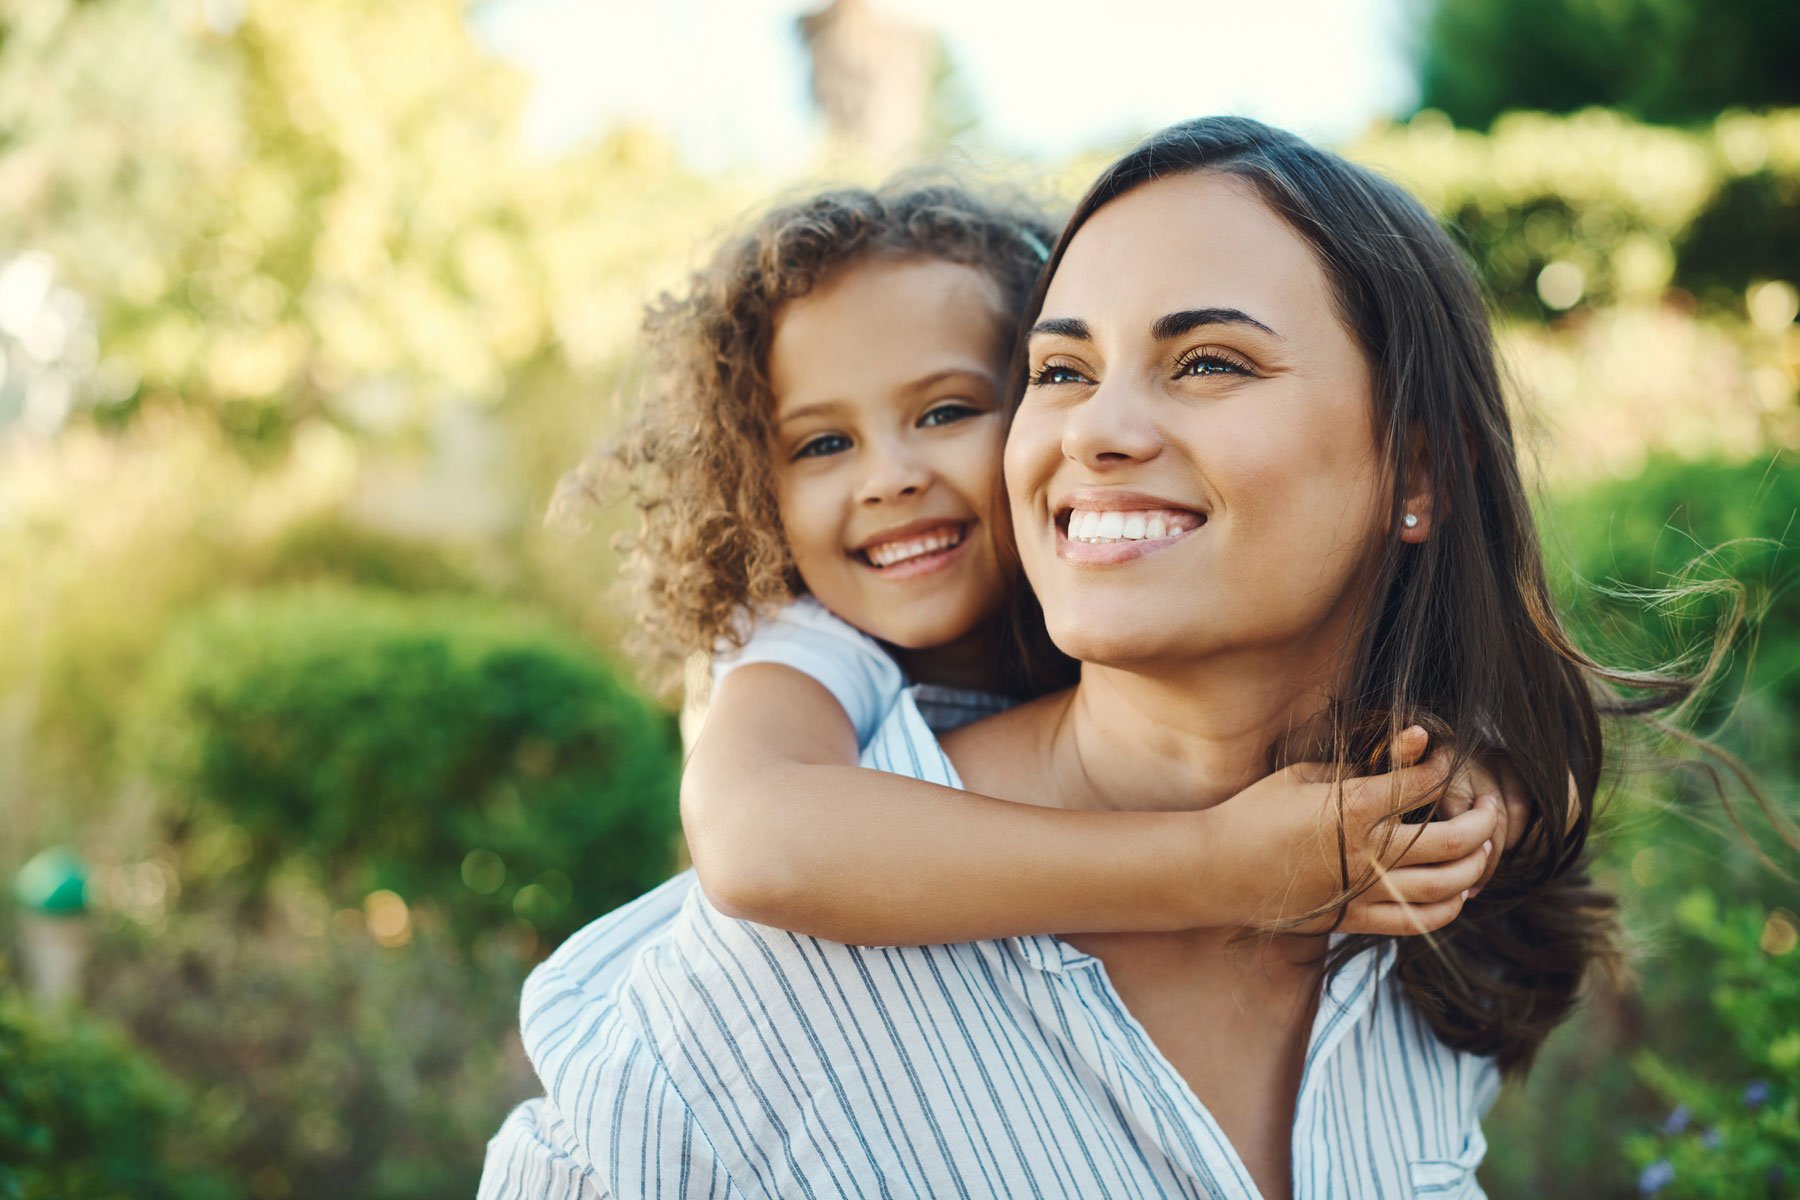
{"points": [[276, 207], [1735, 1128], [1660, 60], [1661, 834], [84, 1114], [326, 548], [325, 1063], [451, 751], [1630, 208], [1696, 526]]}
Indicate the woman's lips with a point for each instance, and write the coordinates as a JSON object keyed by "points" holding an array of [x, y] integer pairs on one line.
{"points": [[1104, 537]]}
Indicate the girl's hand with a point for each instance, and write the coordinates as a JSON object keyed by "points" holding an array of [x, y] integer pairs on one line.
{"points": [[1424, 873]]}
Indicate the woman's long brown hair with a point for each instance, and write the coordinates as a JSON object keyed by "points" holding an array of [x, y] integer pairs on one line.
{"points": [[1459, 629]]}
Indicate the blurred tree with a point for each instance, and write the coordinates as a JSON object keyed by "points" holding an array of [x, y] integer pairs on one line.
{"points": [[273, 205], [1664, 61]]}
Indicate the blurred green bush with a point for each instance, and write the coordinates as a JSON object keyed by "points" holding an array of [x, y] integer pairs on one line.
{"points": [[323, 1062], [83, 1113], [449, 751], [1717, 528], [1734, 1129], [1575, 1127], [1622, 210]]}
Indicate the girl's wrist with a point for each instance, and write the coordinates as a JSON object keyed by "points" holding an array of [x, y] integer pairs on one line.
{"points": [[1202, 896]]}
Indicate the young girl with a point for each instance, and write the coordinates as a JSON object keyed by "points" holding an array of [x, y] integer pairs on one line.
{"points": [[822, 510]]}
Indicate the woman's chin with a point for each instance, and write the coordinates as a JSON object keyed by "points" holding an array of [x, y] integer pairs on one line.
{"points": [[1111, 644]]}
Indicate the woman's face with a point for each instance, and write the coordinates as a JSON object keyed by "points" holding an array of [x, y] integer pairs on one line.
{"points": [[1193, 467]]}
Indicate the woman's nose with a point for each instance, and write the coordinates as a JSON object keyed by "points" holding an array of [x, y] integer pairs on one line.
{"points": [[1114, 426], [894, 473]]}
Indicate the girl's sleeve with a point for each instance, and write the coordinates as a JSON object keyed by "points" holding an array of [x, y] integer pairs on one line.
{"points": [[848, 663]]}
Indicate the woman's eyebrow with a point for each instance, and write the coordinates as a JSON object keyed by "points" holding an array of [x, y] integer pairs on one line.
{"points": [[1170, 325], [1069, 327], [1173, 325]]}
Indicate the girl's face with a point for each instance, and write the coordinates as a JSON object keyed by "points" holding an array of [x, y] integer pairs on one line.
{"points": [[1193, 467], [887, 437]]}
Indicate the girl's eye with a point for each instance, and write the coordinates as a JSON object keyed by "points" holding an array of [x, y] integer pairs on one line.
{"points": [[949, 414], [1051, 374], [1210, 362], [824, 444]]}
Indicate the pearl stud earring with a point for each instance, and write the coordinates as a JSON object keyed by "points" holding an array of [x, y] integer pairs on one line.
{"points": [[1410, 520]]}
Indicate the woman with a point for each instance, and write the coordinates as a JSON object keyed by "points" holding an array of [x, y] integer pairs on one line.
{"points": [[1282, 356]]}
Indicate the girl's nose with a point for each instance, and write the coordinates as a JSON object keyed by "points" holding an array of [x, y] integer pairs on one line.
{"points": [[894, 474]]}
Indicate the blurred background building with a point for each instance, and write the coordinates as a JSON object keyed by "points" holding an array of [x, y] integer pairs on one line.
{"points": [[306, 307]]}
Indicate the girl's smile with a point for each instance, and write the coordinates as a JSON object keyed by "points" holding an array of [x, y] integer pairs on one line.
{"points": [[887, 438]]}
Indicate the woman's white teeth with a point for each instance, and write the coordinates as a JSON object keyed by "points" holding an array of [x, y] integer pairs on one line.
{"points": [[889, 553], [1087, 525]]}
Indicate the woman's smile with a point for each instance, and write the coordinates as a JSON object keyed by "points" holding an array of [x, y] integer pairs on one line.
{"points": [[1108, 526]]}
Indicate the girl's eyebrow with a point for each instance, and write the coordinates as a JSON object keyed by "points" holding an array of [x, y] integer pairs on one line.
{"points": [[922, 384], [1170, 325], [927, 382], [808, 410]]}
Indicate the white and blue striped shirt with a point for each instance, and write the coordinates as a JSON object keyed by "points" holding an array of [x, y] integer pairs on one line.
{"points": [[685, 1055]]}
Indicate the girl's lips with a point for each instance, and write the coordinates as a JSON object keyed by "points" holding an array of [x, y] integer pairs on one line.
{"points": [[920, 564]]}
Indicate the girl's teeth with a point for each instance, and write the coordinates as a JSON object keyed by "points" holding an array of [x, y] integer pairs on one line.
{"points": [[897, 552], [1088, 525]]}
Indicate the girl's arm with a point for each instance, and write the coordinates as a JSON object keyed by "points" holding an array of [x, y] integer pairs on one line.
{"points": [[786, 830]]}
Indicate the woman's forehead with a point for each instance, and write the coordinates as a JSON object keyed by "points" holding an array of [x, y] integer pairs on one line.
{"points": [[1200, 240]]}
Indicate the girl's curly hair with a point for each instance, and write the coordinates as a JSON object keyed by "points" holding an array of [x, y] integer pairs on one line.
{"points": [[695, 456]]}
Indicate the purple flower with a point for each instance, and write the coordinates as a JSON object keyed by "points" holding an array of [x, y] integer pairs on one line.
{"points": [[1655, 1177], [1712, 1139], [1756, 1094], [1678, 1121]]}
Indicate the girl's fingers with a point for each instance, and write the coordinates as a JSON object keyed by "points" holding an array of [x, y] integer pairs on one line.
{"points": [[1376, 797], [1439, 841], [1401, 920], [1502, 827], [1429, 885], [1408, 746]]}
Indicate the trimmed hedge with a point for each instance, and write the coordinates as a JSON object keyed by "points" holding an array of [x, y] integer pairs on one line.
{"points": [[1632, 208], [457, 753]]}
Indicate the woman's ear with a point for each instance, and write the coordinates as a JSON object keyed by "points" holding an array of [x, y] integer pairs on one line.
{"points": [[1418, 488]]}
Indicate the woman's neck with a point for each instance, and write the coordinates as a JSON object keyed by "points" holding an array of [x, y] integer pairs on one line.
{"points": [[1184, 737]]}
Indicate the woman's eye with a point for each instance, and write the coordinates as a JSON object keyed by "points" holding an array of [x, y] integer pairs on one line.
{"points": [[824, 444], [1212, 363], [1051, 374], [949, 414]]}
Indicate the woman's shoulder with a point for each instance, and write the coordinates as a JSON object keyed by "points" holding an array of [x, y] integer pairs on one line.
{"points": [[999, 755]]}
